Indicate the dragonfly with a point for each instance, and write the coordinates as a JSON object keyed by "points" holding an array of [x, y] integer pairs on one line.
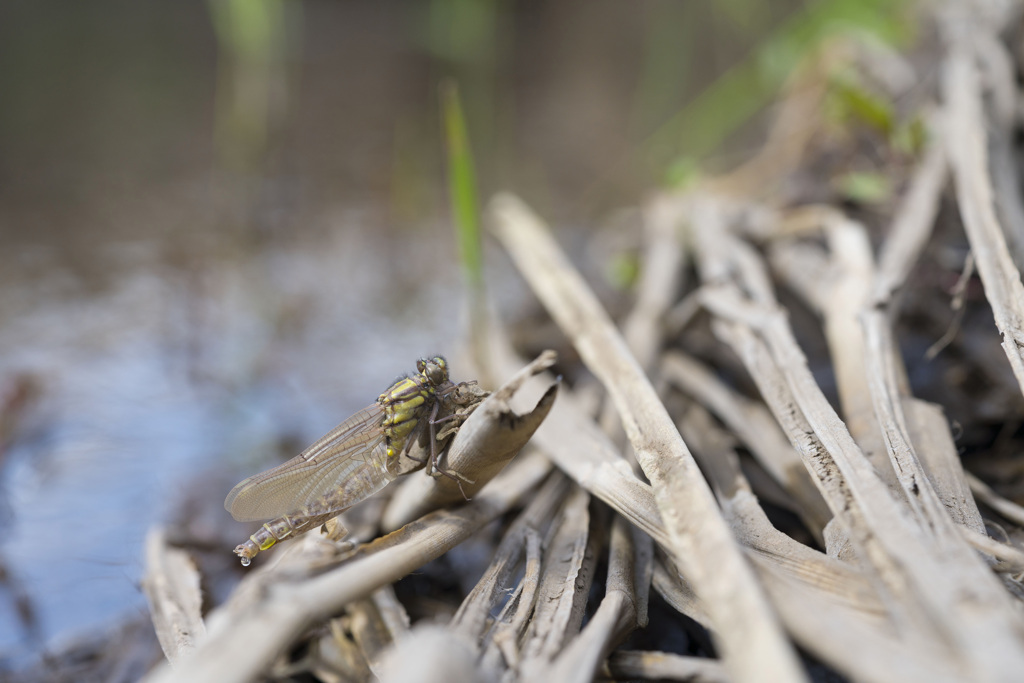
{"points": [[355, 459]]}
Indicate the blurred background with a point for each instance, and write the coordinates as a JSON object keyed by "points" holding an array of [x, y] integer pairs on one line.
{"points": [[224, 226]]}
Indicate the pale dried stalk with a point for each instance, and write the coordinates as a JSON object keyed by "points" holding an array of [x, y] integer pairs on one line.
{"points": [[929, 431], [966, 146], [514, 618], [754, 425], [838, 631], [614, 619], [565, 446], [242, 644], [822, 628], [923, 423], [778, 397], [572, 440], [887, 382], [564, 586], [819, 574], [842, 294], [1011, 559], [856, 613], [336, 657], [928, 593], [661, 274], [856, 301], [373, 630], [923, 585], [475, 610], [914, 220], [944, 494], [666, 580], [392, 612], [1007, 508], [633, 664], [1002, 94], [836, 581], [850, 312], [752, 643], [924, 502], [175, 600]]}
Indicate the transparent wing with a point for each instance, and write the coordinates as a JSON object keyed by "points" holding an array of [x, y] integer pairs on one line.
{"points": [[345, 466]]}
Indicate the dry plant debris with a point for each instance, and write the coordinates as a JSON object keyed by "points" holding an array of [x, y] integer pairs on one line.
{"points": [[771, 446]]}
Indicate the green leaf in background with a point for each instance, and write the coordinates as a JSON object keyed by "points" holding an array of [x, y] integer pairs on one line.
{"points": [[462, 185], [910, 137], [249, 28], [700, 127], [864, 187], [623, 271], [682, 173], [853, 102], [466, 215], [462, 30], [254, 38]]}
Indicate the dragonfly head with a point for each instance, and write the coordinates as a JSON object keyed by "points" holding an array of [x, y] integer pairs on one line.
{"points": [[434, 369]]}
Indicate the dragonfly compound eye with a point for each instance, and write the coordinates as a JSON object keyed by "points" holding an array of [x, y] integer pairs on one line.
{"points": [[436, 370]]}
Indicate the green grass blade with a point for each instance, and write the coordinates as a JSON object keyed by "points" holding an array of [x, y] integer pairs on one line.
{"points": [[462, 186], [466, 216]]}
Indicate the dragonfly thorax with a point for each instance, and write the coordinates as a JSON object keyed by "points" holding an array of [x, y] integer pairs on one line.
{"points": [[410, 400]]}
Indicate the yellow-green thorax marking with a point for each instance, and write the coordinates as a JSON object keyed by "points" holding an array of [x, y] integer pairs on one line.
{"points": [[408, 401]]}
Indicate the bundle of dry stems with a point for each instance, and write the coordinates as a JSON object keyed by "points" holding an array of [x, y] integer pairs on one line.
{"points": [[887, 569]]}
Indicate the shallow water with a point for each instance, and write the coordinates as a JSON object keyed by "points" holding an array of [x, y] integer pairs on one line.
{"points": [[145, 386]]}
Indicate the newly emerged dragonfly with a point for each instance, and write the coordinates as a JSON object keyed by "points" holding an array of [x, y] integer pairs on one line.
{"points": [[354, 460]]}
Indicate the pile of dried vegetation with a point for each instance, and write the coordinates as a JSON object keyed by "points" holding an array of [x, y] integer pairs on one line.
{"points": [[798, 459]]}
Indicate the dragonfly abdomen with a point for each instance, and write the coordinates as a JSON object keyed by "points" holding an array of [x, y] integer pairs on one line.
{"points": [[273, 531], [355, 487]]}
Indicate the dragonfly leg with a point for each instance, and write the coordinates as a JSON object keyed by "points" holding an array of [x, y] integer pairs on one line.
{"points": [[435, 466], [433, 437], [465, 394], [412, 438], [455, 387]]}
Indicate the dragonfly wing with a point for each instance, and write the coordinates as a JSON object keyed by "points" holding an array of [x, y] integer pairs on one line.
{"points": [[342, 468]]}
